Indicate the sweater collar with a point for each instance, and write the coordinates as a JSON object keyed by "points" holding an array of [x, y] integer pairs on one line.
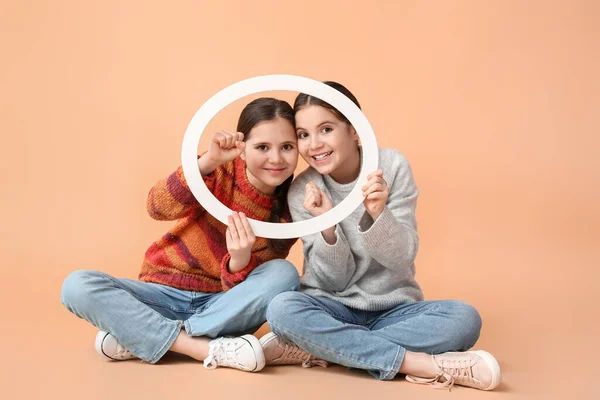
{"points": [[341, 187]]}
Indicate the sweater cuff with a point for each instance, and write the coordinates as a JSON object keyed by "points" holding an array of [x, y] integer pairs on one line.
{"points": [[377, 233], [229, 280], [336, 253]]}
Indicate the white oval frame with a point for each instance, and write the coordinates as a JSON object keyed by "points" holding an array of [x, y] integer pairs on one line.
{"points": [[216, 103]]}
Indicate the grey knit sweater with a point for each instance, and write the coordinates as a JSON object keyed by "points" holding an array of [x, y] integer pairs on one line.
{"points": [[371, 265]]}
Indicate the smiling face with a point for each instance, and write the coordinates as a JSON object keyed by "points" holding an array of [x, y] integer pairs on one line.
{"points": [[271, 154], [328, 144]]}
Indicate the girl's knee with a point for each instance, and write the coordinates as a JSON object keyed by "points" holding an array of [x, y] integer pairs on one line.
{"points": [[283, 275], [282, 307], [468, 324], [470, 317], [76, 287]]}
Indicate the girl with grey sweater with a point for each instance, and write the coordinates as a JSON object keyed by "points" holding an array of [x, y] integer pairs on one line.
{"points": [[360, 305]]}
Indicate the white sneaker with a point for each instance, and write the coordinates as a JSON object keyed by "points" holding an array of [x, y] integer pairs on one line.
{"points": [[109, 347], [279, 352], [242, 352]]}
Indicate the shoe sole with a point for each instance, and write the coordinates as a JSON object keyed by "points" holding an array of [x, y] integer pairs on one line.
{"points": [[258, 351], [492, 363]]}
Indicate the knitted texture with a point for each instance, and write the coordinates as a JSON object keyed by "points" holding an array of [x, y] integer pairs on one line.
{"points": [[193, 254]]}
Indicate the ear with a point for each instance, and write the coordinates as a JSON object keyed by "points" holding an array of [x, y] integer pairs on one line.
{"points": [[243, 155], [354, 135]]}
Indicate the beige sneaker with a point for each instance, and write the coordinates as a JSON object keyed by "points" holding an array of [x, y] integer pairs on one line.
{"points": [[476, 369], [279, 352]]}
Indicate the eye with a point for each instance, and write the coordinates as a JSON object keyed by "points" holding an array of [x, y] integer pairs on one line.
{"points": [[288, 147], [262, 147], [326, 129], [302, 135]]}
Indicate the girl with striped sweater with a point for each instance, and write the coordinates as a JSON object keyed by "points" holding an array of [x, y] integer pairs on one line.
{"points": [[203, 280]]}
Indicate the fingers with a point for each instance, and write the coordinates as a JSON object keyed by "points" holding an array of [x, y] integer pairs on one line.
{"points": [[227, 139], [376, 187], [376, 196], [232, 229], [374, 180], [240, 230], [322, 194], [326, 202], [312, 195], [238, 140], [247, 227], [377, 172], [231, 139]]}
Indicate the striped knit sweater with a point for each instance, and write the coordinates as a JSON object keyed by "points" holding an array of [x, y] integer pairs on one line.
{"points": [[193, 254]]}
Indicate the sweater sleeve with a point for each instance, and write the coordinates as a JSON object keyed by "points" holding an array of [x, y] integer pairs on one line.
{"points": [[328, 267], [392, 239], [229, 280], [257, 258], [171, 198]]}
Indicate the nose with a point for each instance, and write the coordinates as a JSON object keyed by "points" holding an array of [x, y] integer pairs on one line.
{"points": [[275, 157], [315, 143]]}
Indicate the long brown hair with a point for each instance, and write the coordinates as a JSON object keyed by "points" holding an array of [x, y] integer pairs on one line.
{"points": [[268, 109]]}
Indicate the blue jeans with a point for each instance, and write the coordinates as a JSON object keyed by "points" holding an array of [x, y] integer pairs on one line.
{"points": [[369, 340], [147, 317]]}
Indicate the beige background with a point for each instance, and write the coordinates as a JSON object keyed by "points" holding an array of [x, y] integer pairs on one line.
{"points": [[495, 104]]}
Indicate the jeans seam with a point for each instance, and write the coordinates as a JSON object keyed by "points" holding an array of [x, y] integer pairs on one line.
{"points": [[395, 366], [165, 347], [167, 320], [323, 348]]}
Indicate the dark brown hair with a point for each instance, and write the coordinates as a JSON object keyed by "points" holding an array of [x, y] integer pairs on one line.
{"points": [[303, 99], [257, 111]]}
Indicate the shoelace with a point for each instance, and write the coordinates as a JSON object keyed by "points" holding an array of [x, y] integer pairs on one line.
{"points": [[435, 382], [122, 351], [296, 353], [451, 371], [218, 354], [215, 351]]}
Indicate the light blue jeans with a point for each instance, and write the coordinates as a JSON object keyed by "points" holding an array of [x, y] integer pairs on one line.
{"points": [[147, 317], [373, 341]]}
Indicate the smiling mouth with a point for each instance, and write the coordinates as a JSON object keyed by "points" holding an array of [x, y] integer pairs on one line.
{"points": [[322, 157], [275, 170]]}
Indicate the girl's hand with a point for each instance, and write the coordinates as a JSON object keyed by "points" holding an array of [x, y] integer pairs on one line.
{"points": [[376, 193], [225, 146], [239, 238], [316, 201]]}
